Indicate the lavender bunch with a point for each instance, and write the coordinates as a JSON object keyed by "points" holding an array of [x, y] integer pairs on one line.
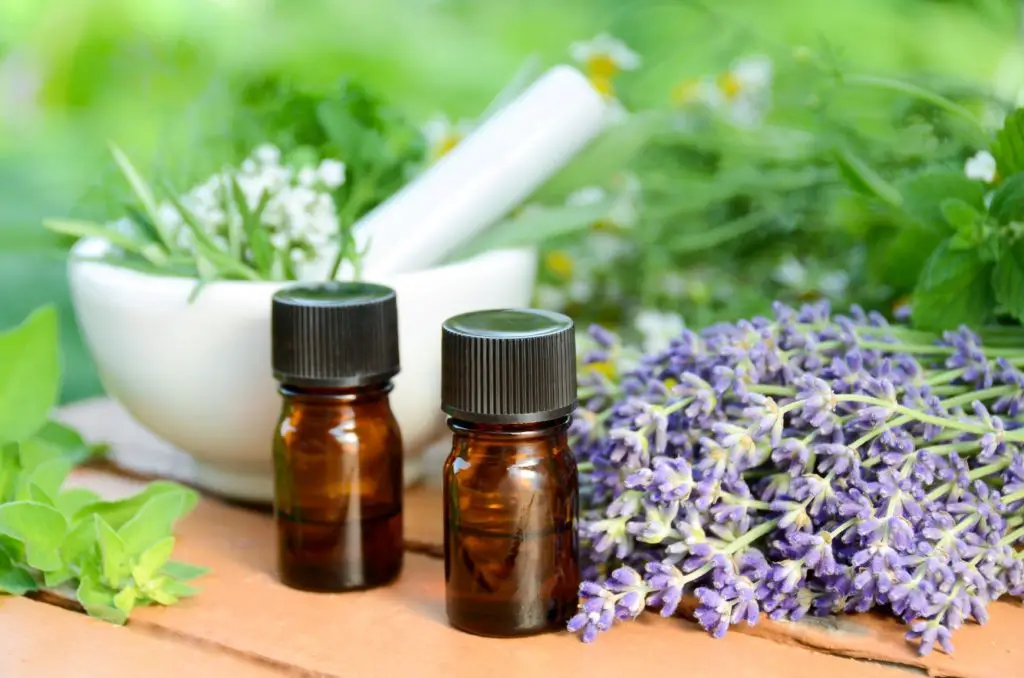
{"points": [[804, 464]]}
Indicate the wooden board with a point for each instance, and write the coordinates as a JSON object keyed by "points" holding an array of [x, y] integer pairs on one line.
{"points": [[244, 615]]}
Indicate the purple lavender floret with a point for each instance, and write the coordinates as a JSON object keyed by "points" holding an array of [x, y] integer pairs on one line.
{"points": [[805, 463]]}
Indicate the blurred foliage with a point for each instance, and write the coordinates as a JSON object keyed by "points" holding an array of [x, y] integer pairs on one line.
{"points": [[179, 83]]}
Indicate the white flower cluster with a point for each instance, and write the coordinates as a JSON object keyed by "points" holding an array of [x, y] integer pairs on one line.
{"points": [[299, 214]]}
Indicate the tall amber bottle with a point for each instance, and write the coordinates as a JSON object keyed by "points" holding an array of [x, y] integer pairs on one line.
{"points": [[337, 449], [510, 482]]}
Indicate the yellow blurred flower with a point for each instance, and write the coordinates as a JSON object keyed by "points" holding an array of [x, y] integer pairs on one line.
{"points": [[442, 135], [688, 92], [603, 58], [605, 367], [560, 263], [742, 93]]}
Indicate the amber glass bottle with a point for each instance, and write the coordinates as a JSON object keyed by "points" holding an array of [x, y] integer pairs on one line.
{"points": [[337, 449], [510, 482]]}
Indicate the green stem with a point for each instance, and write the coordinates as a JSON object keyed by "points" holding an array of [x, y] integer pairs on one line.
{"points": [[751, 536], [934, 349], [917, 92], [945, 377], [919, 416], [1013, 536], [771, 390], [1010, 498]]}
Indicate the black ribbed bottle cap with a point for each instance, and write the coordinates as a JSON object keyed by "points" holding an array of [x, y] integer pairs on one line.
{"points": [[508, 366], [339, 334]]}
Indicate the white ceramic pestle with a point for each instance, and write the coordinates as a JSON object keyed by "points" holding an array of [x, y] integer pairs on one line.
{"points": [[496, 167]]}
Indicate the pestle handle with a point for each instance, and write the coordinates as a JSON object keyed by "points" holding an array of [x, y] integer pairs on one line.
{"points": [[490, 172]]}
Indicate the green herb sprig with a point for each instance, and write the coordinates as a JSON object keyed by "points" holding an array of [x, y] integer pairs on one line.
{"points": [[111, 556], [971, 233]]}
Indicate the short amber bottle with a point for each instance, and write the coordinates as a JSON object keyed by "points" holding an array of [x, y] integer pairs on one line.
{"points": [[510, 482], [337, 448]]}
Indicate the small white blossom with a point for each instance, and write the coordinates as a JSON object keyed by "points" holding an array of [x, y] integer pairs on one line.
{"points": [[658, 329], [742, 94], [834, 283], [442, 135], [745, 91], [307, 176], [550, 297], [624, 210], [981, 167], [589, 195], [790, 273], [267, 154], [607, 246], [605, 53], [603, 58], [581, 289], [673, 284], [332, 173]]}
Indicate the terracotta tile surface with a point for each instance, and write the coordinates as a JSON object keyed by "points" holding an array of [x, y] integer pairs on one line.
{"points": [[41, 641], [401, 630]]}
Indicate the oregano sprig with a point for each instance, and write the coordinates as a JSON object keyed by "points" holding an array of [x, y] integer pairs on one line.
{"points": [[112, 556]]}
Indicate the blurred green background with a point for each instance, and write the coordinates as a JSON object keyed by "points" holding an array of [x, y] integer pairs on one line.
{"points": [[162, 79]]}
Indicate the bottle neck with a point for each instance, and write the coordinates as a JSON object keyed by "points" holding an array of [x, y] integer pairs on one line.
{"points": [[336, 393], [532, 429]]}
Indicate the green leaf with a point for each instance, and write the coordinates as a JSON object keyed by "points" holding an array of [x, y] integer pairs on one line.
{"points": [[152, 560], [55, 578], [119, 512], [29, 375], [1008, 200], [70, 502], [922, 194], [861, 178], [40, 529], [79, 542], [356, 142], [14, 579], [143, 225], [144, 194], [915, 91], [125, 599], [47, 478], [10, 471], [154, 254], [537, 225], [954, 288], [252, 226], [98, 601], [183, 571], [155, 520], [179, 589], [968, 223], [159, 591], [35, 452], [71, 445], [113, 553], [1008, 146], [1008, 279]]}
